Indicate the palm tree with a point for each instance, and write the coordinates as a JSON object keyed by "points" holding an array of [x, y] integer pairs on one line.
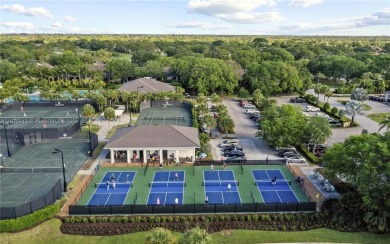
{"points": [[317, 90], [160, 236], [109, 114], [196, 236], [88, 111], [209, 121], [225, 123], [204, 140], [385, 123]]}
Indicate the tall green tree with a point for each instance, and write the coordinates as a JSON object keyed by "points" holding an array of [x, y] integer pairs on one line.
{"points": [[317, 131], [353, 108], [363, 161], [109, 114], [204, 140], [282, 126], [88, 111]]}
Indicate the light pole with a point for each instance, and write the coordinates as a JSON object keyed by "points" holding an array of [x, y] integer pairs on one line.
{"points": [[6, 138], [63, 167], [89, 136]]}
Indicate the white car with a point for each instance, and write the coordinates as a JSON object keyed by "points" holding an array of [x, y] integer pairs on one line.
{"points": [[312, 109], [202, 155], [295, 159], [228, 143]]}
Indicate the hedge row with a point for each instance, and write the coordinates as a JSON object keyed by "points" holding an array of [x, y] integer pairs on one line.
{"points": [[30, 220], [310, 156], [312, 100]]}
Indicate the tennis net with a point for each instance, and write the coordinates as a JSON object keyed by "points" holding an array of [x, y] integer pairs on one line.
{"points": [[30, 169], [164, 118], [58, 119], [117, 185], [220, 183], [167, 184], [269, 182]]}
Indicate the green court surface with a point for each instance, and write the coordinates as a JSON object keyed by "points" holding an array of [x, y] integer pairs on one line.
{"points": [[194, 190], [40, 117], [24, 185], [165, 116]]}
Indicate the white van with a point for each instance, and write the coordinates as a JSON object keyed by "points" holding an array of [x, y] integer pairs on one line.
{"points": [[249, 106], [249, 111]]}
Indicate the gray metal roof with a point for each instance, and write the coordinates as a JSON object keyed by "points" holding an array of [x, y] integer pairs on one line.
{"points": [[147, 84], [154, 136]]}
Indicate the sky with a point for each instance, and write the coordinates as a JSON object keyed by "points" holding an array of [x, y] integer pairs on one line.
{"points": [[211, 17]]}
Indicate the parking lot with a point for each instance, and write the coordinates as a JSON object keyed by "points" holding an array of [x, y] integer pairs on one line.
{"points": [[338, 135], [254, 148]]}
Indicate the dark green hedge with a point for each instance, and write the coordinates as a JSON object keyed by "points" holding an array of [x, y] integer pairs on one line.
{"points": [[30, 220], [309, 100], [310, 156]]}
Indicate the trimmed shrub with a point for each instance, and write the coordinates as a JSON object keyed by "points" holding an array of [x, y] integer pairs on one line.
{"points": [[334, 111], [27, 221], [326, 106]]}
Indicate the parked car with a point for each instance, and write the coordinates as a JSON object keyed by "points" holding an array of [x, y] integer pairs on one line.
{"points": [[233, 147], [202, 155], [250, 110], [284, 149], [233, 153], [312, 109], [289, 154], [249, 106], [282, 152], [186, 94], [229, 143], [297, 100], [295, 159], [235, 159]]}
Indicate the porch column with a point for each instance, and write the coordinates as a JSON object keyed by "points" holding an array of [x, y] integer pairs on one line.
{"points": [[128, 156], [177, 157], [161, 155], [112, 156], [144, 156], [193, 155]]}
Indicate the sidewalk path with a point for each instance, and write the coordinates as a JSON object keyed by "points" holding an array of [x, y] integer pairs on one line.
{"points": [[105, 127]]}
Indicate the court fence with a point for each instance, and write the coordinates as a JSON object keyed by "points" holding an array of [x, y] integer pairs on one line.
{"points": [[47, 103], [134, 209], [161, 103], [17, 211], [203, 162]]}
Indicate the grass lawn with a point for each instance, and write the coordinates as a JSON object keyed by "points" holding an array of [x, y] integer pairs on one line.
{"points": [[330, 83], [114, 128], [49, 232], [378, 117], [94, 128]]}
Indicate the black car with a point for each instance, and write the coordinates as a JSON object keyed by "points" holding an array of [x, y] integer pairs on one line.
{"points": [[234, 153], [235, 159], [297, 100], [233, 147]]}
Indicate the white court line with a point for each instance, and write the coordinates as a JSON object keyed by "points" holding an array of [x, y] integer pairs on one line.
{"points": [[165, 199], [223, 199], [279, 196], [107, 199], [290, 187], [267, 174]]}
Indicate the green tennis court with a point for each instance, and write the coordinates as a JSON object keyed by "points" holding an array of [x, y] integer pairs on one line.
{"points": [[165, 116], [20, 183], [194, 177]]}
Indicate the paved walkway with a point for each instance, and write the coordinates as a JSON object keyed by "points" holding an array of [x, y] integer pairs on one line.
{"points": [[105, 127]]}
